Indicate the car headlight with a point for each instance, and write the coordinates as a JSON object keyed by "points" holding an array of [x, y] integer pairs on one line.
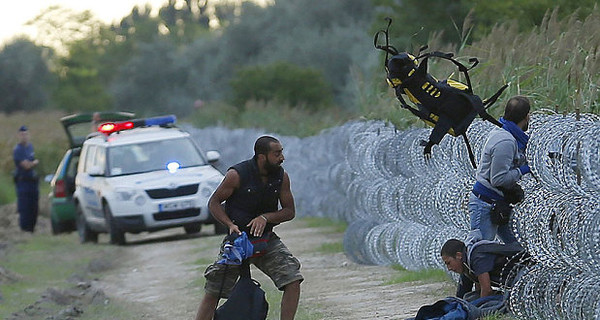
{"points": [[140, 200], [125, 194]]}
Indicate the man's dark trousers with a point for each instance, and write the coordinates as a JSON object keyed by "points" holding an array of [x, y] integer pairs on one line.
{"points": [[27, 204]]}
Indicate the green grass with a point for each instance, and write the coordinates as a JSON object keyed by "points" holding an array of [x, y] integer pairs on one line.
{"points": [[331, 247], [8, 193], [204, 262], [198, 282], [114, 311], [402, 275], [292, 121], [42, 262], [208, 244], [499, 317], [273, 295], [334, 225]]}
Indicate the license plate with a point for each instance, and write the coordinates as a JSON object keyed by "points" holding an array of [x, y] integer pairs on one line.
{"points": [[174, 206]]}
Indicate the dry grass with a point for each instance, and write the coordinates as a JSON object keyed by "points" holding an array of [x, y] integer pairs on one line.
{"points": [[49, 142], [272, 116], [556, 64], [47, 135]]}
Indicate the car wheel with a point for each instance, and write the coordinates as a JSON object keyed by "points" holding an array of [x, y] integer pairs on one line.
{"points": [[221, 228], [117, 236], [85, 233], [192, 228]]}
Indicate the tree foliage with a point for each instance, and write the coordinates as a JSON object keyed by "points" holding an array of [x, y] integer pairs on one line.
{"points": [[524, 14], [463, 21], [25, 80], [197, 49], [331, 36], [416, 20], [281, 82], [58, 26], [153, 81], [186, 23]]}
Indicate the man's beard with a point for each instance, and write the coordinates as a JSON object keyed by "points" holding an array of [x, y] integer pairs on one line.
{"points": [[272, 167]]}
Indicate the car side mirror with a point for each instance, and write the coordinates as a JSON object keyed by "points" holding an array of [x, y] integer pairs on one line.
{"points": [[96, 171], [213, 156]]}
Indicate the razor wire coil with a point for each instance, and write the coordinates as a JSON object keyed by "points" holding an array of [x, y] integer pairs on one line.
{"points": [[401, 208]]}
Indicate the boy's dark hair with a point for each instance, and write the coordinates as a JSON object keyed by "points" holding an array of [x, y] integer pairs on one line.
{"points": [[263, 145], [517, 109], [452, 247]]}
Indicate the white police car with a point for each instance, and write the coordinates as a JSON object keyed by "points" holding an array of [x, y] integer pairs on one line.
{"points": [[143, 175]]}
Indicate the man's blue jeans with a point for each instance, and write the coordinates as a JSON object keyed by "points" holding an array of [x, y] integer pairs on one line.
{"points": [[479, 211]]}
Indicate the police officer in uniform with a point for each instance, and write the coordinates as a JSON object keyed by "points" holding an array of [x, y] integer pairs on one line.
{"points": [[252, 191], [26, 181]]}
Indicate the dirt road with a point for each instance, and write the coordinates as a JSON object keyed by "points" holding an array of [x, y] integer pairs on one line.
{"points": [[162, 273]]}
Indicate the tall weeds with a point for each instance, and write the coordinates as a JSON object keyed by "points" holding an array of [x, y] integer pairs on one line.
{"points": [[49, 141], [46, 134], [556, 64], [271, 116]]}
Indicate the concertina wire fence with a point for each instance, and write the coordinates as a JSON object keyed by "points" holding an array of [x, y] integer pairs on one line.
{"points": [[401, 208]]}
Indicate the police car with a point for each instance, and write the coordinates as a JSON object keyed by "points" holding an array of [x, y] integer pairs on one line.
{"points": [[62, 184], [143, 175]]}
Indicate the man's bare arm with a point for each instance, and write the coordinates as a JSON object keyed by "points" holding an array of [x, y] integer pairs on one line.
{"points": [[286, 199], [485, 284], [229, 184]]}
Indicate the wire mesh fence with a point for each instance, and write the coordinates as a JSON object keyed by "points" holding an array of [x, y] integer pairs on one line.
{"points": [[401, 207]]}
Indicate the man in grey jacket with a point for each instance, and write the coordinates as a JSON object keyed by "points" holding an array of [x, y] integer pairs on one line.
{"points": [[501, 166]]}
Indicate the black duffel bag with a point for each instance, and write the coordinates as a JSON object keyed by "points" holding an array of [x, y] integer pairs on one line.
{"points": [[247, 300]]}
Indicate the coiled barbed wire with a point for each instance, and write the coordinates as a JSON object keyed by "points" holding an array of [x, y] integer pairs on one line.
{"points": [[401, 208]]}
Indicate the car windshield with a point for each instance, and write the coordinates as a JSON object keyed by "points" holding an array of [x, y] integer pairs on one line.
{"points": [[152, 156]]}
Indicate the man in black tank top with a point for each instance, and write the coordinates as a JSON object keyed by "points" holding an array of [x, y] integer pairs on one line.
{"points": [[252, 191]]}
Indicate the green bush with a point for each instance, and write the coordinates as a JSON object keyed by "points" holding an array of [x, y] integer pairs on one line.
{"points": [[8, 194], [274, 117], [284, 83], [213, 114], [287, 120]]}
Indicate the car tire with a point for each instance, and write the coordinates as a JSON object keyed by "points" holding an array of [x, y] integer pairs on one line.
{"points": [[117, 236], [221, 228], [192, 228], [85, 233]]}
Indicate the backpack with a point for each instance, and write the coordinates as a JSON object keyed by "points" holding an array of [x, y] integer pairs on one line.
{"points": [[247, 300], [448, 106]]}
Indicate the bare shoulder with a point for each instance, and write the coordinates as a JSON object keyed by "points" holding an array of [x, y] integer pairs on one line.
{"points": [[232, 178], [286, 177]]}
